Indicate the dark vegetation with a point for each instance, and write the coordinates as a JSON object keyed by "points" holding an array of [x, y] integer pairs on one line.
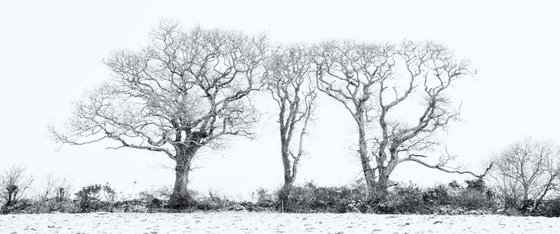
{"points": [[470, 197]]}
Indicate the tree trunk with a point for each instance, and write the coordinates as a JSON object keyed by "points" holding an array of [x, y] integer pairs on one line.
{"points": [[289, 177], [12, 194], [369, 173], [180, 198], [9, 200], [284, 197], [383, 183]]}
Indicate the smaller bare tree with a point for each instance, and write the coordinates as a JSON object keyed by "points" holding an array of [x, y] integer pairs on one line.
{"points": [[14, 182], [54, 188], [62, 192], [527, 170], [288, 78]]}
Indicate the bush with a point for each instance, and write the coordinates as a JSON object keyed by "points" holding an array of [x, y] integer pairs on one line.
{"points": [[264, 199], [472, 200], [310, 198], [151, 201], [509, 202], [20, 206], [437, 196], [549, 208], [54, 205], [476, 196], [453, 199], [408, 199], [109, 193], [89, 198], [402, 200], [262, 195], [215, 201], [476, 184]]}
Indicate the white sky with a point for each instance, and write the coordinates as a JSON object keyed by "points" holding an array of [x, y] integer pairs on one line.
{"points": [[51, 52]]}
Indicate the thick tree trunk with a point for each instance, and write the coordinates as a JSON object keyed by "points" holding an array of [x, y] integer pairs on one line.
{"points": [[383, 183], [180, 198]]}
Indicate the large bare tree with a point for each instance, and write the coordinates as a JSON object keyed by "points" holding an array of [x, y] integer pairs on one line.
{"points": [[188, 89], [377, 83], [289, 79], [526, 170]]}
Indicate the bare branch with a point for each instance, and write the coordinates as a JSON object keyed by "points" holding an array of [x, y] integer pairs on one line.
{"points": [[445, 169]]}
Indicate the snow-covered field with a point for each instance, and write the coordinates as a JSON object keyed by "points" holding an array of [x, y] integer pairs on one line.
{"points": [[246, 222]]}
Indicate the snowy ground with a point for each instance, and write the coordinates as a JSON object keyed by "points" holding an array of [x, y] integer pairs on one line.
{"points": [[245, 222]]}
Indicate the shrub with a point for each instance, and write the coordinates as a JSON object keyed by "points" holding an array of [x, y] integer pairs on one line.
{"points": [[476, 196], [402, 200], [441, 199], [509, 202], [264, 199], [311, 198], [215, 201], [109, 193], [437, 196], [21, 206], [472, 199], [156, 199], [476, 184], [54, 205], [262, 195], [549, 208], [88, 197], [455, 185], [151, 200]]}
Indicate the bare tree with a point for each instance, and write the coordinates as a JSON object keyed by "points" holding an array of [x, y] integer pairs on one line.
{"points": [[62, 190], [376, 81], [186, 90], [526, 170], [288, 78], [48, 188], [14, 182], [54, 187]]}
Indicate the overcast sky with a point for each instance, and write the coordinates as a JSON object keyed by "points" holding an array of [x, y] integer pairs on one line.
{"points": [[51, 52]]}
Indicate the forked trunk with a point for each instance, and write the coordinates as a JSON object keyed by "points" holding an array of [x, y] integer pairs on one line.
{"points": [[369, 173]]}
